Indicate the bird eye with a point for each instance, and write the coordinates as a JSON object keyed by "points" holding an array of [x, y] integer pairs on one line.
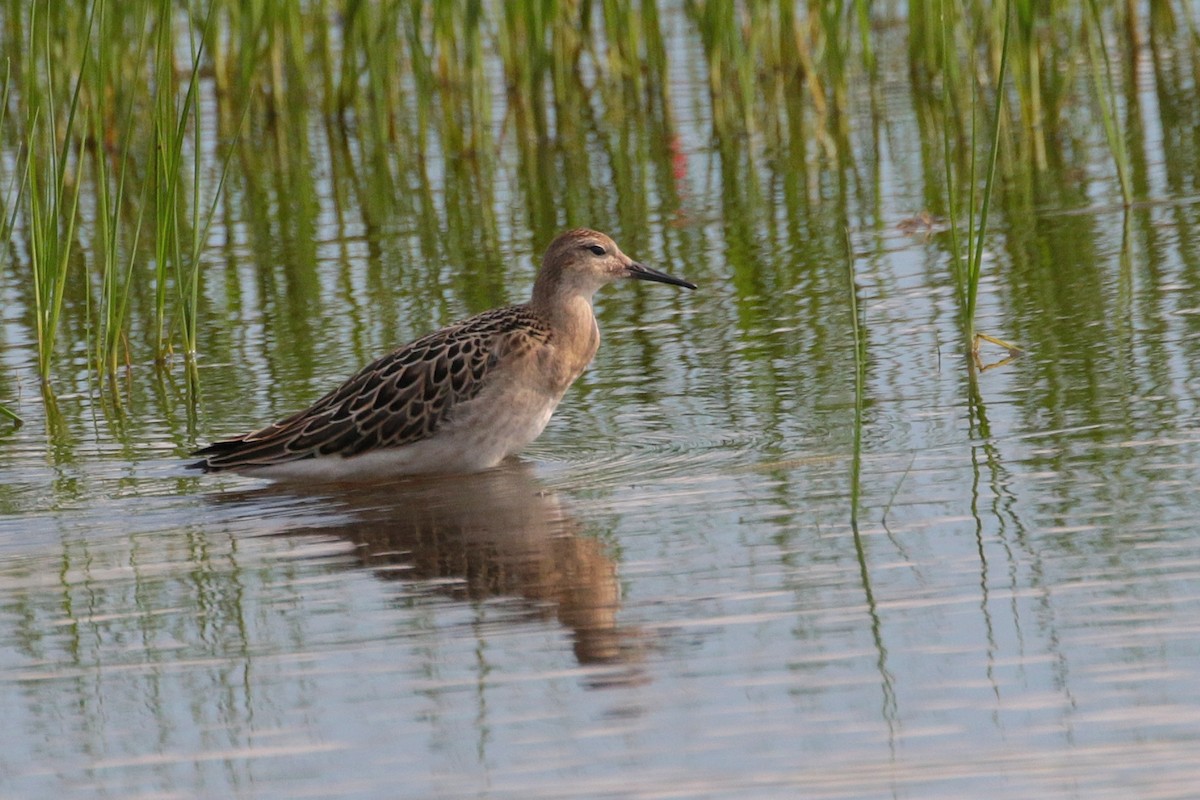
{"points": [[596, 249]]}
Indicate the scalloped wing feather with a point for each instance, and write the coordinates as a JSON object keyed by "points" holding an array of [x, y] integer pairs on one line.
{"points": [[396, 400]]}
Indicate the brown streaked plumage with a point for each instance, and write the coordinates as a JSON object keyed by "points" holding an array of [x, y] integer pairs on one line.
{"points": [[457, 400]]}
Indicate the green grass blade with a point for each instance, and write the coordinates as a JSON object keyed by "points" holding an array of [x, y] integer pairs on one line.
{"points": [[860, 378], [8, 413], [989, 181], [1101, 69], [956, 262]]}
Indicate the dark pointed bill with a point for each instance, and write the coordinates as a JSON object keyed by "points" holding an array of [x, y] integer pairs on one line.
{"points": [[644, 273]]}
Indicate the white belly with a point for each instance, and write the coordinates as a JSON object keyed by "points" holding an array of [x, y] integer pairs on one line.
{"points": [[481, 434]]}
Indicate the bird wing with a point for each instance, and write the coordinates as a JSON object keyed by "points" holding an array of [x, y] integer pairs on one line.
{"points": [[398, 399]]}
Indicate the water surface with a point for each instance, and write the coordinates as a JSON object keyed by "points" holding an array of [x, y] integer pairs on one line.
{"points": [[668, 594]]}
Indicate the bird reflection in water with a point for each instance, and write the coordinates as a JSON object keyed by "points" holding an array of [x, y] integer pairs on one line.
{"points": [[492, 534]]}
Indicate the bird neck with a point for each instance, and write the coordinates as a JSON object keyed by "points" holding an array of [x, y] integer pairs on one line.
{"points": [[568, 314], [573, 322]]}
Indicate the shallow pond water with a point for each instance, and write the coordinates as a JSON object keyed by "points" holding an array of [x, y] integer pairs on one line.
{"points": [[694, 583]]}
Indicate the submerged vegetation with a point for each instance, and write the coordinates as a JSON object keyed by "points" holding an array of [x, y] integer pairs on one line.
{"points": [[141, 140]]}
